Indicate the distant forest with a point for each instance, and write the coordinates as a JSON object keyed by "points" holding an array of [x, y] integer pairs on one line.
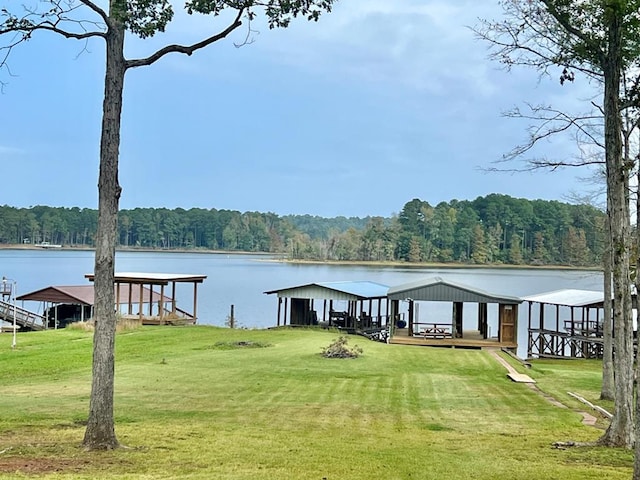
{"points": [[496, 229]]}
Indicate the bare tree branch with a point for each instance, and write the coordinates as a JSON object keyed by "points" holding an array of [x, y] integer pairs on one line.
{"points": [[97, 9], [248, 39], [54, 20], [535, 164], [549, 122], [528, 38], [548, 34]]}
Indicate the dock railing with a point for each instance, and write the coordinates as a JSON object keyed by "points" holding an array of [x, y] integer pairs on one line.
{"points": [[544, 343], [585, 328]]}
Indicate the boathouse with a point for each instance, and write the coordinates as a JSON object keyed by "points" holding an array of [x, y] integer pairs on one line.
{"points": [[62, 305], [451, 330], [352, 305]]}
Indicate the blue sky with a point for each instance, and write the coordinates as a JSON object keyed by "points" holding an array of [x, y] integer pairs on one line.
{"points": [[376, 104]]}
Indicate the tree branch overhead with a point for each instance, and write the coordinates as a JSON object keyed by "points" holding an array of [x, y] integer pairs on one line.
{"points": [[186, 49]]}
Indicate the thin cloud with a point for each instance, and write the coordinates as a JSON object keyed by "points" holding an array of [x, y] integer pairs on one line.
{"points": [[423, 46], [7, 151]]}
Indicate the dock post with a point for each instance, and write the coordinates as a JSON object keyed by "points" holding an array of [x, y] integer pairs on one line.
{"points": [[232, 319]]}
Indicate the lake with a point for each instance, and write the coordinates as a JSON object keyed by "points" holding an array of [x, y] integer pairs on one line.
{"points": [[241, 280]]}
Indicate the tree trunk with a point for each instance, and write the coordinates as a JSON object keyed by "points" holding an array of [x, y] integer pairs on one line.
{"points": [[636, 463], [100, 432], [607, 392], [620, 432]]}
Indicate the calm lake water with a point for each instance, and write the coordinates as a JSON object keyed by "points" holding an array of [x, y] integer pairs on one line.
{"points": [[241, 280]]}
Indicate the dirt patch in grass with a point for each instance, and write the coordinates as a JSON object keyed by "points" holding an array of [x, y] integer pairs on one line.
{"points": [[43, 465], [235, 345]]}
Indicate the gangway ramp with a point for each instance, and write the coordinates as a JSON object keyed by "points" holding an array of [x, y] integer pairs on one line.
{"points": [[24, 318]]}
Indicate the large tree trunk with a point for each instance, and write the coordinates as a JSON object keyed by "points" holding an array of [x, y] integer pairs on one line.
{"points": [[607, 392], [621, 429], [100, 432]]}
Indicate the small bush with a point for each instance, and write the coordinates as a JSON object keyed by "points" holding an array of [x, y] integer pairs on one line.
{"points": [[339, 349]]}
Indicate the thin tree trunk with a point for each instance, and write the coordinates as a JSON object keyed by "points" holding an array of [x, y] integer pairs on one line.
{"points": [[620, 432], [100, 432], [636, 463]]}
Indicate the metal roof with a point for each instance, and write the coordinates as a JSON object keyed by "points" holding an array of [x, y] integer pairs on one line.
{"points": [[79, 294], [568, 297], [153, 278], [84, 295], [334, 291], [436, 289]]}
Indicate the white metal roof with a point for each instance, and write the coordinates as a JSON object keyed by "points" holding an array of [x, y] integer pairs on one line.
{"points": [[568, 297], [155, 278]]}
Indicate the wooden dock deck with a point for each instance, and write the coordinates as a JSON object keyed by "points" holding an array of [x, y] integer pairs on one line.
{"points": [[470, 339]]}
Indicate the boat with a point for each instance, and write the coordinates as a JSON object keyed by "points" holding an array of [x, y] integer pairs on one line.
{"points": [[48, 245]]}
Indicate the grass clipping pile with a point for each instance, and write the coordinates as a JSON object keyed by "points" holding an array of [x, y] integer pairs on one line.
{"points": [[339, 349]]}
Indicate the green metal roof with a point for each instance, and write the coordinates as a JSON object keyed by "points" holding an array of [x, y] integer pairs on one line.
{"points": [[350, 290], [436, 289]]}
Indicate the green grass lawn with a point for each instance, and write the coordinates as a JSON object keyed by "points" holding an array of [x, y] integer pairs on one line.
{"points": [[190, 406]]}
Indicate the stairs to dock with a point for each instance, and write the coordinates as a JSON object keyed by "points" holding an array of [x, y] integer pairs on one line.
{"points": [[26, 319]]}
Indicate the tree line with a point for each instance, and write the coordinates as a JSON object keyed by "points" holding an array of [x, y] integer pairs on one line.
{"points": [[488, 230]]}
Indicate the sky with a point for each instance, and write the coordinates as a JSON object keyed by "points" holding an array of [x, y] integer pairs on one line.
{"points": [[376, 104]]}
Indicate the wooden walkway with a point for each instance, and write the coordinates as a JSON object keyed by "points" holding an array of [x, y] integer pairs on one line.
{"points": [[26, 319], [512, 373], [470, 339]]}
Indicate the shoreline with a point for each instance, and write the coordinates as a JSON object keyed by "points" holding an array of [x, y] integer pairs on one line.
{"points": [[363, 263], [8, 246], [417, 265]]}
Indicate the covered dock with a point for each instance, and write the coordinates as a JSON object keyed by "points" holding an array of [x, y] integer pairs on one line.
{"points": [[147, 297], [62, 305], [351, 305], [156, 311], [452, 330], [565, 324]]}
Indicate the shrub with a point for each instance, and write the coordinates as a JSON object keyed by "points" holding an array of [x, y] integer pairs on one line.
{"points": [[339, 349], [123, 324]]}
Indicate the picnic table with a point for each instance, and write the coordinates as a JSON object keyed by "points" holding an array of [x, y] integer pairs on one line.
{"points": [[436, 330]]}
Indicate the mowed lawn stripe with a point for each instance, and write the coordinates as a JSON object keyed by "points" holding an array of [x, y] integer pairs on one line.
{"points": [[204, 402]]}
